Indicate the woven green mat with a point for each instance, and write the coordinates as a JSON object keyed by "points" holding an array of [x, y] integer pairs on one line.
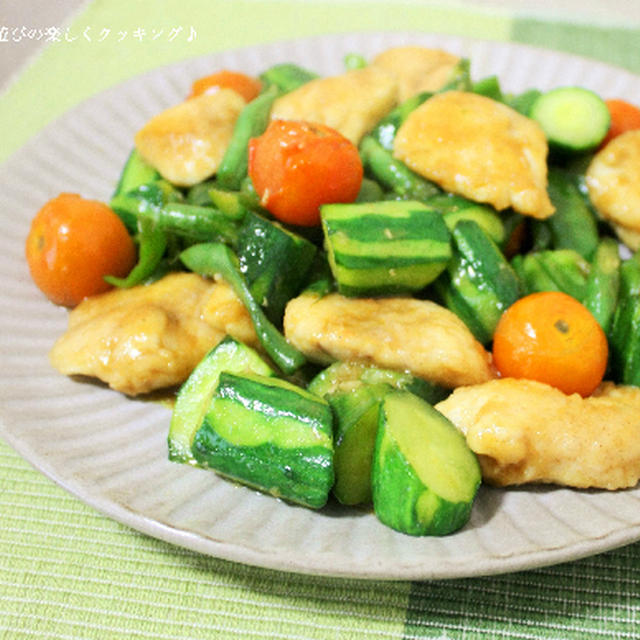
{"points": [[68, 572]]}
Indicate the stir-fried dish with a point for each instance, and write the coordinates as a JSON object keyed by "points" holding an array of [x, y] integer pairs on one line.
{"points": [[382, 287]]}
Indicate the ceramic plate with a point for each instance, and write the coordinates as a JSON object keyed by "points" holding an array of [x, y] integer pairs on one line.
{"points": [[111, 451]]}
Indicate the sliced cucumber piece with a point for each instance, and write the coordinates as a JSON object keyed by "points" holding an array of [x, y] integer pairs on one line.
{"points": [[385, 247], [274, 262], [574, 119], [342, 377], [355, 392], [425, 477], [195, 394], [356, 425], [271, 435]]}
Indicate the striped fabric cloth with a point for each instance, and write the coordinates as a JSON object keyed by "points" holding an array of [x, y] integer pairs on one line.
{"points": [[68, 572]]}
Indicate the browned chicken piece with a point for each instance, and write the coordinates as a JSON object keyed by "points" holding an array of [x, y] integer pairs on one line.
{"points": [[478, 148], [630, 237], [614, 189], [404, 334], [351, 103], [417, 68], [150, 337], [186, 142], [525, 431]]}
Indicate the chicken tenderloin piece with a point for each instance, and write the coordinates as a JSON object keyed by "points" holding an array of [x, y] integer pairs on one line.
{"points": [[150, 336], [480, 149], [529, 432], [614, 189], [186, 142], [417, 69], [352, 103], [404, 334]]}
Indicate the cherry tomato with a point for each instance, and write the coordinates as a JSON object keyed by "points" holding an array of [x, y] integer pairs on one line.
{"points": [[243, 84], [72, 244], [624, 117], [551, 337], [297, 166]]}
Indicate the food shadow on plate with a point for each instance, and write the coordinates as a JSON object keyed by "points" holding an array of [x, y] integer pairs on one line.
{"points": [[489, 501]]}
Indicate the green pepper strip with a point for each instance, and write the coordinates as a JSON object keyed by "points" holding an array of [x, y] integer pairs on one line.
{"points": [[353, 61], [152, 245], [190, 221], [394, 174], [252, 121], [385, 131], [624, 337], [287, 76], [209, 259], [603, 283]]}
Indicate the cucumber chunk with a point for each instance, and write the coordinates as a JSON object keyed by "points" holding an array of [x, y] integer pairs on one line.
{"points": [[356, 425], [195, 394], [271, 435], [341, 377], [355, 391], [574, 119], [274, 262], [455, 208], [385, 247], [425, 477]]}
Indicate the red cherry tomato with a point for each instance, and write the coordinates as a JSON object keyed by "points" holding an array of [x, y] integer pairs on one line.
{"points": [[296, 167]]}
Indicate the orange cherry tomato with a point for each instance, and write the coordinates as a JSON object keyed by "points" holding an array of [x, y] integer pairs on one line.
{"points": [[624, 117], [552, 338], [72, 244], [243, 84], [297, 166]]}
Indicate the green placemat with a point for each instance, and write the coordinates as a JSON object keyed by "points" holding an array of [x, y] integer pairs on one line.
{"points": [[68, 572]]}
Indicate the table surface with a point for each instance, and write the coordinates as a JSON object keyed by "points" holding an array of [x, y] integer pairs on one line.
{"points": [[43, 14], [66, 571]]}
